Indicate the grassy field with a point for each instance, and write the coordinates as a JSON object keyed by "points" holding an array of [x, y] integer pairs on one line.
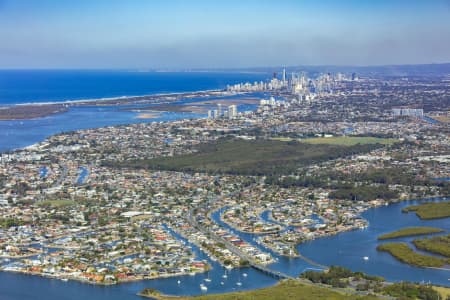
{"points": [[409, 231], [405, 254], [56, 203], [445, 292], [443, 119], [257, 157], [289, 290], [349, 140], [429, 211], [437, 244]]}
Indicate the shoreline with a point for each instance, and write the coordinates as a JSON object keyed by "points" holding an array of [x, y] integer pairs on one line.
{"points": [[114, 98], [161, 296], [35, 110], [70, 278]]}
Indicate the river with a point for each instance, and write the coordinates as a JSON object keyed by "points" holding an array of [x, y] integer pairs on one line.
{"points": [[346, 249]]}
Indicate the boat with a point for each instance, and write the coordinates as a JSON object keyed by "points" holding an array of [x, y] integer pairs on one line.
{"points": [[225, 275], [366, 258], [238, 283], [207, 279], [221, 283], [64, 279], [178, 281], [203, 287], [245, 275]]}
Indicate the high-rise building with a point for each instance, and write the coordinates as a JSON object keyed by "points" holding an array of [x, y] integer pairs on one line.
{"points": [[409, 112], [284, 76], [232, 111]]}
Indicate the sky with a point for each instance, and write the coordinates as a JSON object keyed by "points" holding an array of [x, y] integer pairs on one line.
{"points": [[183, 34]]}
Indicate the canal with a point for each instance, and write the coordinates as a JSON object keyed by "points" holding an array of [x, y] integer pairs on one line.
{"points": [[346, 249]]}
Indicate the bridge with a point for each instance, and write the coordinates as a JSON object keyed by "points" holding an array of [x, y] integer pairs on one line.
{"points": [[270, 272]]}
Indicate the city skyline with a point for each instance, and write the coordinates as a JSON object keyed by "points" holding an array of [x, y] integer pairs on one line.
{"points": [[200, 34]]}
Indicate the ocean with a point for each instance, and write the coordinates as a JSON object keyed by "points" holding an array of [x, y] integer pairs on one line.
{"points": [[40, 86], [43, 86]]}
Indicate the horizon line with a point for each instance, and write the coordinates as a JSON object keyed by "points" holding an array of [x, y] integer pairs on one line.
{"points": [[193, 69]]}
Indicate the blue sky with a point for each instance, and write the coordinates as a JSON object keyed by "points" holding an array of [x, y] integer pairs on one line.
{"points": [[210, 34]]}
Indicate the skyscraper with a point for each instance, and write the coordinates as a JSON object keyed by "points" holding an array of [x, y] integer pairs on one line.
{"points": [[232, 111]]}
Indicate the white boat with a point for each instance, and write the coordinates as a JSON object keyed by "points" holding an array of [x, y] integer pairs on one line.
{"points": [[366, 258], [245, 275], [64, 279], [207, 280], [178, 281], [238, 283], [203, 287], [221, 283]]}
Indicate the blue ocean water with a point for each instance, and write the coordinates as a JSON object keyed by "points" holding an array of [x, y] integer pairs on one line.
{"points": [[24, 86], [18, 87]]}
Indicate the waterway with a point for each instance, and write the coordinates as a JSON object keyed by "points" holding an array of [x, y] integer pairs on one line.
{"points": [[346, 249], [83, 175], [42, 86], [43, 171], [430, 120], [21, 133], [442, 179]]}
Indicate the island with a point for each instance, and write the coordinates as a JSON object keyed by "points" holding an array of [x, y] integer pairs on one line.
{"points": [[437, 244], [25, 112], [404, 253], [409, 231], [429, 211]]}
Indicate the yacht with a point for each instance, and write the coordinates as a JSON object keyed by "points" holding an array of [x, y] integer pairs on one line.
{"points": [[203, 287], [225, 275], [366, 258]]}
